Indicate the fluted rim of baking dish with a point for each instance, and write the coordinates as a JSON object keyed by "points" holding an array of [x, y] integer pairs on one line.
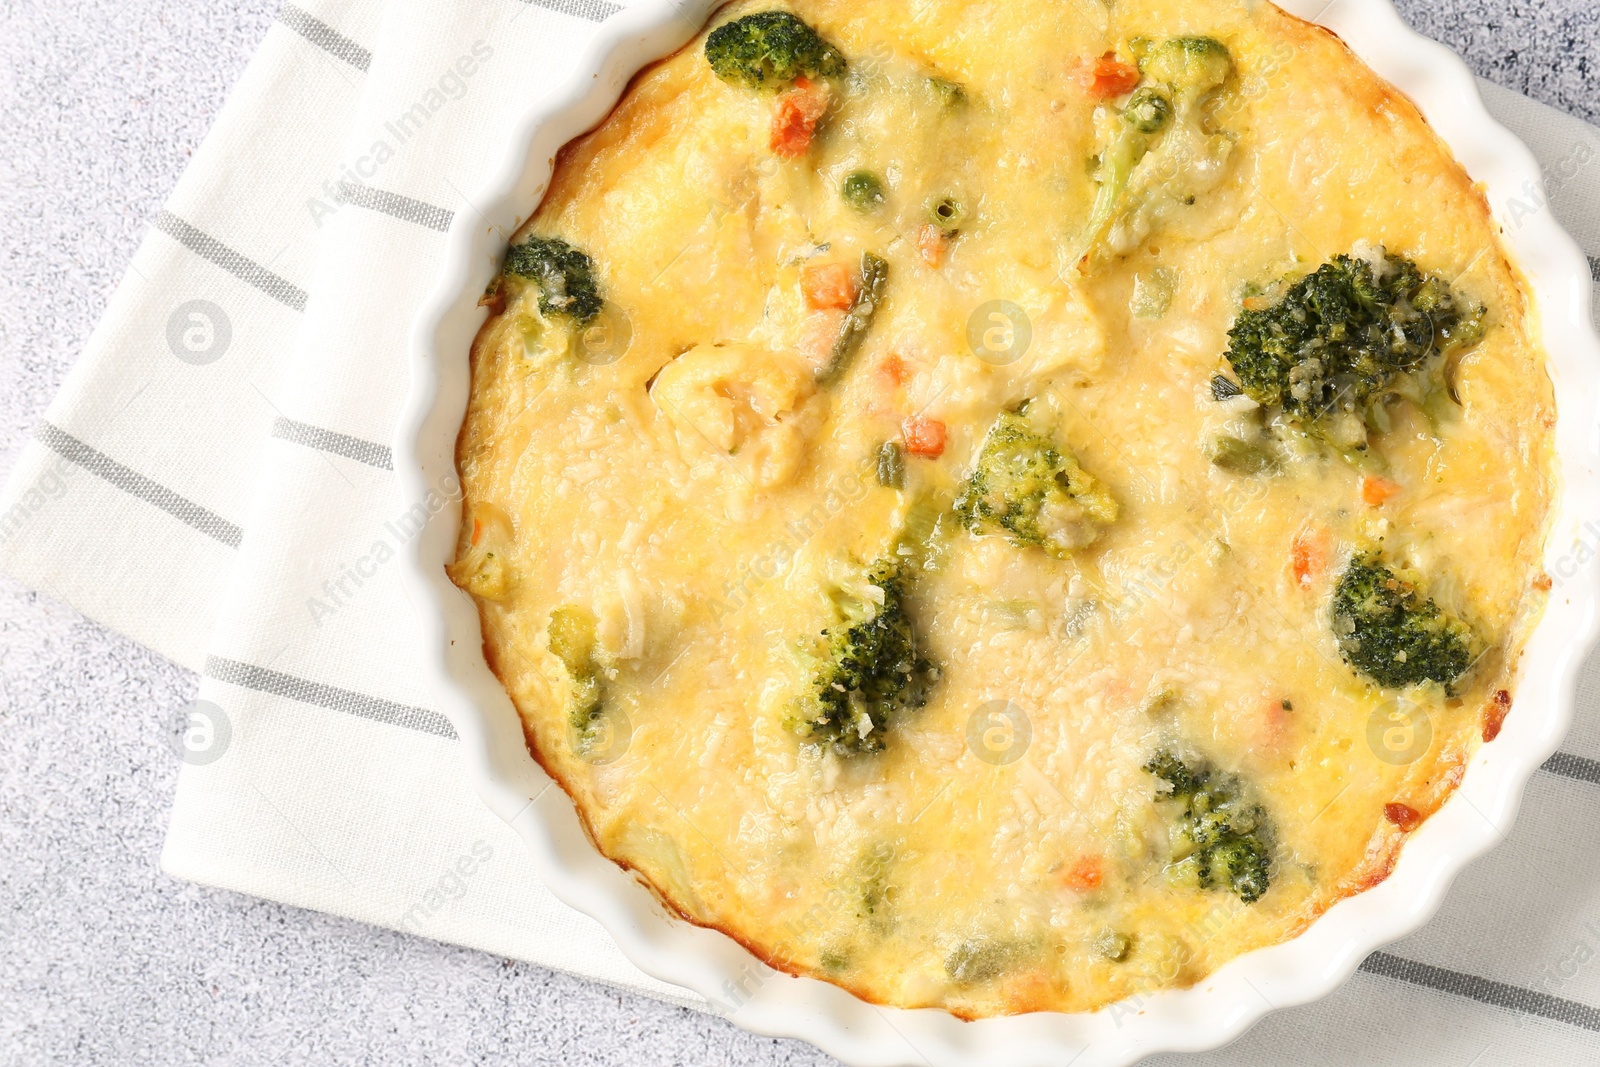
{"points": [[1227, 1002]]}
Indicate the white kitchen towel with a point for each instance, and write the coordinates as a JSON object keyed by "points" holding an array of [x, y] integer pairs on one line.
{"points": [[129, 500], [316, 772]]}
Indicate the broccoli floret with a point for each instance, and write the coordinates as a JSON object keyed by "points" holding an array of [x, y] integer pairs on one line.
{"points": [[1117, 161], [1355, 333], [1225, 838], [871, 670], [1389, 631], [1166, 122], [1148, 110], [980, 959], [1237, 862], [869, 883], [769, 50], [565, 277], [1190, 67], [572, 641], [1025, 487]]}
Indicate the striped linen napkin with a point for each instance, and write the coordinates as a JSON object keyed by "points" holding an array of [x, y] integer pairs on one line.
{"points": [[268, 315], [129, 501]]}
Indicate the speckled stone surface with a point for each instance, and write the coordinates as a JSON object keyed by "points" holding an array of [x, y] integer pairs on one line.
{"points": [[104, 960]]}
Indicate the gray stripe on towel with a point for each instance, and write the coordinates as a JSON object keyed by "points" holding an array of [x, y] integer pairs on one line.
{"points": [[137, 485], [593, 10], [262, 680], [401, 207], [207, 247], [1569, 766], [325, 37], [362, 451], [1501, 995]]}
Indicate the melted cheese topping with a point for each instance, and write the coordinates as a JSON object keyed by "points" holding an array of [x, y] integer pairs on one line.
{"points": [[677, 480]]}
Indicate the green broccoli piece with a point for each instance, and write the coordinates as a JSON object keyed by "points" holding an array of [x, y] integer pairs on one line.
{"points": [[565, 277], [1389, 631], [572, 641], [769, 50], [1165, 118], [1037, 495], [1191, 67], [1351, 335], [871, 670], [980, 959], [1148, 110], [1116, 162], [869, 882], [1223, 837]]}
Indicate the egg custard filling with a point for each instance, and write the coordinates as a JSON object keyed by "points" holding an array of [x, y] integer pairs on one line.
{"points": [[1007, 507]]}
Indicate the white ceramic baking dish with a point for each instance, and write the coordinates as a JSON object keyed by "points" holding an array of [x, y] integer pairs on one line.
{"points": [[711, 964]]}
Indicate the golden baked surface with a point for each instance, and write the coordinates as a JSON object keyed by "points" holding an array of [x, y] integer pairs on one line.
{"points": [[1007, 506]]}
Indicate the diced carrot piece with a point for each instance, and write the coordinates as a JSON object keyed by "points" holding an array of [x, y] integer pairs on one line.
{"points": [[924, 437], [828, 285], [1309, 554], [1402, 815], [893, 368], [791, 129], [1109, 77], [477, 529], [795, 120], [1087, 873], [1275, 721], [1375, 491], [932, 244]]}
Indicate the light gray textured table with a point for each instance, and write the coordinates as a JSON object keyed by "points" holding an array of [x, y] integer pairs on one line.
{"points": [[102, 958]]}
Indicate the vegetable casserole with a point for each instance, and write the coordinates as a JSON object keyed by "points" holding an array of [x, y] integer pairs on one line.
{"points": [[1007, 506]]}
